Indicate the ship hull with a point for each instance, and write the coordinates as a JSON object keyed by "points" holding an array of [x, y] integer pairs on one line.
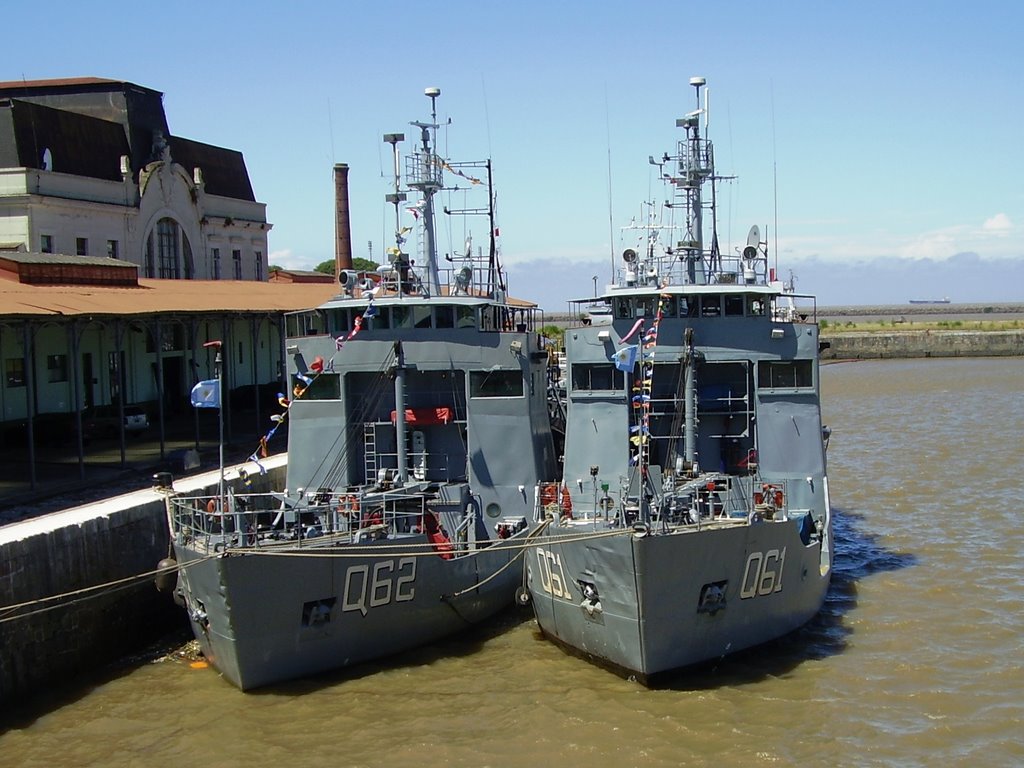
{"points": [[671, 600], [262, 619]]}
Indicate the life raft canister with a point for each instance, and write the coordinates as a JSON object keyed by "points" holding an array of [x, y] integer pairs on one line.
{"points": [[770, 494], [436, 536], [566, 501], [348, 505]]}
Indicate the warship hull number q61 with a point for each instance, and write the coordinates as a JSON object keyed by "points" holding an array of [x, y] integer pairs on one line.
{"points": [[692, 519]]}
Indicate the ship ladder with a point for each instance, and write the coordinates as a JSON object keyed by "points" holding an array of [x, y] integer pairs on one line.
{"points": [[370, 451]]}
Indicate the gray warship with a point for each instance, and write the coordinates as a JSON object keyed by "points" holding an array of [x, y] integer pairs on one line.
{"points": [[693, 516], [418, 427]]}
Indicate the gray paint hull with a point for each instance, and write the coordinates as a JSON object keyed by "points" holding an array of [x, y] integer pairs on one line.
{"points": [[653, 612], [258, 621]]}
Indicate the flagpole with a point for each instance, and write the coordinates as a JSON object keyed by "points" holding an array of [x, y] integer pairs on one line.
{"points": [[220, 418], [219, 365]]}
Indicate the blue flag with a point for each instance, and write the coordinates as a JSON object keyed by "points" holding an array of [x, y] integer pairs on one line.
{"points": [[625, 358], [206, 394]]}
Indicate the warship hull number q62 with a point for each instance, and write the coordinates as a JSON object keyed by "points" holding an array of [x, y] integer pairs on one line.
{"points": [[417, 427]]}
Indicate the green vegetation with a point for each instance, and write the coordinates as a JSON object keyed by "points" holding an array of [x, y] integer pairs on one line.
{"points": [[358, 263], [555, 333]]}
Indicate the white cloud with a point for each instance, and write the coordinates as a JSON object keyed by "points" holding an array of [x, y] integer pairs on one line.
{"points": [[991, 240], [937, 245], [999, 224], [287, 259]]}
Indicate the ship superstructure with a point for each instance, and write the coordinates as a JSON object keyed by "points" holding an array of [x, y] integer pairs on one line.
{"points": [[693, 516], [417, 428]]}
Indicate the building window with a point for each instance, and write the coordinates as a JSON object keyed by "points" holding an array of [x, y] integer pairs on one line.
{"points": [[236, 256], [14, 368], [167, 248], [216, 263], [190, 267], [112, 249], [259, 265], [115, 365], [82, 246], [150, 259], [57, 367], [172, 339], [46, 243]]}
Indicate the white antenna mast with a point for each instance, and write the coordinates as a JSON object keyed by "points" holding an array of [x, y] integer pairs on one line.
{"points": [[775, 187]]}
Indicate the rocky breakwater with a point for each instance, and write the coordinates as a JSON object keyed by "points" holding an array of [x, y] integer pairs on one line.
{"points": [[864, 345]]}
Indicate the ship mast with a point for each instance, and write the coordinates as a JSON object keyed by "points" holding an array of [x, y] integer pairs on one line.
{"points": [[424, 173]]}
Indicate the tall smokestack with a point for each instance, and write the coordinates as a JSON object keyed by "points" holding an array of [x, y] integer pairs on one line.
{"points": [[342, 227]]}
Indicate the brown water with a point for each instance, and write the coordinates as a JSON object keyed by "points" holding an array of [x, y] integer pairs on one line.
{"points": [[916, 659]]}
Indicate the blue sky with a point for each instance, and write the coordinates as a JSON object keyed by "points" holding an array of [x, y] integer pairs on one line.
{"points": [[891, 130]]}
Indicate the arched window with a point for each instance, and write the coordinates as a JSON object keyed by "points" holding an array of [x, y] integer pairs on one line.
{"points": [[168, 251]]}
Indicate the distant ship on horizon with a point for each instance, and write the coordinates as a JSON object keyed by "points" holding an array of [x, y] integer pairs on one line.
{"points": [[943, 300]]}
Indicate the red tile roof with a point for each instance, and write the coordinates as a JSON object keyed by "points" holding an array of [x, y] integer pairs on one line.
{"points": [[156, 296]]}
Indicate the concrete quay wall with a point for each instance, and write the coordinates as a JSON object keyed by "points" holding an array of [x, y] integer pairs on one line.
{"points": [[77, 549], [864, 345]]}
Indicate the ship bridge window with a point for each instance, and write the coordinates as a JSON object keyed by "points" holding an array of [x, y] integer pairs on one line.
{"points": [[602, 376], [710, 306], [497, 318], [381, 320], [622, 310], [444, 317], [420, 316], [465, 317], [338, 321], [733, 305], [496, 383], [401, 317], [668, 306], [784, 374], [326, 386], [755, 306], [645, 306], [309, 323]]}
